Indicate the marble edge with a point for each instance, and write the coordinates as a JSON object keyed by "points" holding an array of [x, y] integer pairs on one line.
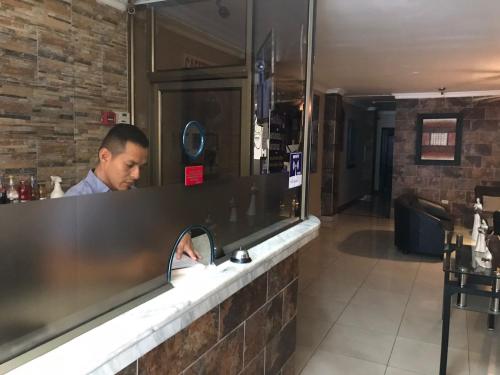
{"points": [[167, 314]]}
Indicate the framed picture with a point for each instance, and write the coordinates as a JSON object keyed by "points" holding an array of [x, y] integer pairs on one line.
{"points": [[439, 139]]}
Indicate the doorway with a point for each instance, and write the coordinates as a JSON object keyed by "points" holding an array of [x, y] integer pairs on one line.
{"points": [[217, 107], [385, 168]]}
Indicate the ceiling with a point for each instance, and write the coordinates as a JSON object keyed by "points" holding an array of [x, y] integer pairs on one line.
{"points": [[380, 47]]}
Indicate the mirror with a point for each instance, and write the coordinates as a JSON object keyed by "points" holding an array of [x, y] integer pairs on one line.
{"points": [[193, 140]]}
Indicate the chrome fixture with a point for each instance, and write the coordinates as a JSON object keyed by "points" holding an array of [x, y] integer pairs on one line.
{"points": [[179, 238], [241, 256]]}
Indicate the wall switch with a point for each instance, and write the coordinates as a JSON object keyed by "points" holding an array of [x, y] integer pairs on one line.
{"points": [[122, 118]]}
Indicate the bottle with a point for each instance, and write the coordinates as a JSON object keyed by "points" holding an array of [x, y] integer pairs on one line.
{"points": [[3, 193], [58, 191], [24, 191], [12, 194], [42, 193], [35, 195]]}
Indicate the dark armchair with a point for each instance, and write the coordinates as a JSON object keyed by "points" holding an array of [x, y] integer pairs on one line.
{"points": [[419, 225]]}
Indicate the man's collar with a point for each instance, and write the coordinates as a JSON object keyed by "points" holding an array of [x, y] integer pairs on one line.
{"points": [[96, 183]]}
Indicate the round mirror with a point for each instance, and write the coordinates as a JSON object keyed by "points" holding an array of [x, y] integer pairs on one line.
{"points": [[193, 140]]}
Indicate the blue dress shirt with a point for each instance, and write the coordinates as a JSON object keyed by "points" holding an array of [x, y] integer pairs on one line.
{"points": [[89, 185]]}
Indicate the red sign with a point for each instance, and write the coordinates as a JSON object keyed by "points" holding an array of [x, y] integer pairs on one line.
{"points": [[193, 175]]}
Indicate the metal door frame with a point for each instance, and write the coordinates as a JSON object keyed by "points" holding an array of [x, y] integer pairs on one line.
{"points": [[245, 119]]}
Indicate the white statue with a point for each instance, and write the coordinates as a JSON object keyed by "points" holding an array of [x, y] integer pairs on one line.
{"points": [[482, 255], [478, 207], [233, 215], [252, 207]]}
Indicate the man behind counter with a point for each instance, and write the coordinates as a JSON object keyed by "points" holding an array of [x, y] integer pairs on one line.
{"points": [[123, 151]]}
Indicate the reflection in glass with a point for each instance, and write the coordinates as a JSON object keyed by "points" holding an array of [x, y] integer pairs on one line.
{"points": [[193, 140], [85, 255], [200, 34], [279, 40], [218, 112]]}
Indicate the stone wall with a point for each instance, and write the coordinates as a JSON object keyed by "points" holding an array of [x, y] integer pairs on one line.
{"points": [[332, 146], [62, 63], [480, 152], [252, 332]]}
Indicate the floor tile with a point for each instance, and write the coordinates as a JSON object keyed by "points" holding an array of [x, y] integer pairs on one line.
{"points": [[301, 357], [372, 297], [353, 269], [311, 331], [485, 363], [320, 307], [331, 290], [372, 317], [358, 343], [389, 282], [323, 363], [421, 357], [425, 325], [398, 371]]}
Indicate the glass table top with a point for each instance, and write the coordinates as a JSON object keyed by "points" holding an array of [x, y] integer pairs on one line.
{"points": [[461, 263]]}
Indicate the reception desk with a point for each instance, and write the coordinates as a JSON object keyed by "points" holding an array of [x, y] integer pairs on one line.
{"points": [[225, 319]]}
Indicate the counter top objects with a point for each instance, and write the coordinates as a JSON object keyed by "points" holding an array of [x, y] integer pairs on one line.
{"points": [[116, 343]]}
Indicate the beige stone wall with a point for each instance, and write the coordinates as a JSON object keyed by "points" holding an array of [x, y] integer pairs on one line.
{"points": [[61, 63], [480, 152]]}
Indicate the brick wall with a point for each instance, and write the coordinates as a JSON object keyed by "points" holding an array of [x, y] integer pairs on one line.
{"points": [[62, 62], [252, 332], [480, 152]]}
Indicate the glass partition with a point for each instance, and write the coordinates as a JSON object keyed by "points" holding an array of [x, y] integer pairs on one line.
{"points": [[200, 34], [222, 139]]}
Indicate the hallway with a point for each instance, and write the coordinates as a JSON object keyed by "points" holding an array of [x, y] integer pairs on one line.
{"points": [[365, 308]]}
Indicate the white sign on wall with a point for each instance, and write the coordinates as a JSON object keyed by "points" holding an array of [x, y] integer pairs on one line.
{"points": [[295, 176]]}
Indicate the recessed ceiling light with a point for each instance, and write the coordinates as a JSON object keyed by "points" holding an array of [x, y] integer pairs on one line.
{"points": [[415, 72]]}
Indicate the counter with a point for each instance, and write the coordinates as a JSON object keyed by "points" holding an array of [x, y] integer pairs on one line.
{"points": [[225, 319]]}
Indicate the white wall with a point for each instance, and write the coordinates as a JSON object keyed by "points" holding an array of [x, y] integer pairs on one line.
{"points": [[357, 181]]}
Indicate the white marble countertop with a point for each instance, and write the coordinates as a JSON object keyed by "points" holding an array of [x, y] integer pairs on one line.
{"points": [[116, 343]]}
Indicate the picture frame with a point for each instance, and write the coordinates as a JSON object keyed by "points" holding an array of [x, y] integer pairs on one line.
{"points": [[439, 139]]}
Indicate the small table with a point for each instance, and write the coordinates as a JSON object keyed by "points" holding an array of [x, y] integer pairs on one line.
{"points": [[461, 278]]}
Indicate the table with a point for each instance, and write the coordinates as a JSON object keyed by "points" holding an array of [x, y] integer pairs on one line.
{"points": [[462, 279]]}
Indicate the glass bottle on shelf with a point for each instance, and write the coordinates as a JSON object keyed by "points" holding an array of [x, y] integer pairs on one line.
{"points": [[42, 192], [24, 191], [12, 194], [3, 193], [34, 189]]}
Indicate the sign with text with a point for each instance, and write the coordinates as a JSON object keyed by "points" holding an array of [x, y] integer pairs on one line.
{"points": [[295, 177], [193, 175]]}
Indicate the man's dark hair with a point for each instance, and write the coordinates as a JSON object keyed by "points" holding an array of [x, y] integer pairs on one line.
{"points": [[120, 134]]}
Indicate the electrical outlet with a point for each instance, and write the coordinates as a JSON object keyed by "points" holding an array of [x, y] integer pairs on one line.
{"points": [[444, 201]]}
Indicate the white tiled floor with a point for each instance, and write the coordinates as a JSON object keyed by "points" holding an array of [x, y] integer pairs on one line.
{"points": [[365, 308]]}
